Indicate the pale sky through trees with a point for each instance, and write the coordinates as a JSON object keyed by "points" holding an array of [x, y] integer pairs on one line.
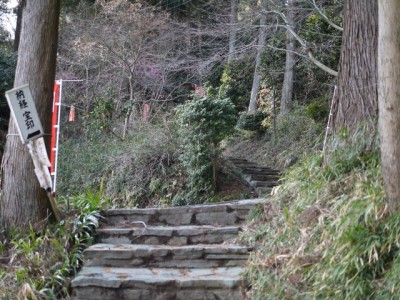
{"points": [[9, 20]]}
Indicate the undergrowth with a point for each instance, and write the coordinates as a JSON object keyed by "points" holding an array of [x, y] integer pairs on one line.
{"points": [[40, 262], [153, 166], [327, 232], [139, 171], [279, 148]]}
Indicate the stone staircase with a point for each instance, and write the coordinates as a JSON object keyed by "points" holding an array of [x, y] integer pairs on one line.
{"points": [[167, 253], [260, 178]]}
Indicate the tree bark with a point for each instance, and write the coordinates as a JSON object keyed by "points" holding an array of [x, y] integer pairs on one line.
{"points": [[233, 28], [23, 200], [260, 48], [389, 98], [357, 93], [287, 87]]}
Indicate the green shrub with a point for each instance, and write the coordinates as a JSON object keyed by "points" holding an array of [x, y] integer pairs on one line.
{"points": [[237, 80], [100, 117], [318, 110], [294, 125], [252, 121], [203, 124]]}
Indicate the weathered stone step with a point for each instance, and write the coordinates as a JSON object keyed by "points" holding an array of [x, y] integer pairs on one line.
{"points": [[264, 183], [260, 177], [164, 256], [157, 284], [227, 213], [167, 253], [246, 165], [260, 171], [238, 160], [263, 190], [161, 235]]}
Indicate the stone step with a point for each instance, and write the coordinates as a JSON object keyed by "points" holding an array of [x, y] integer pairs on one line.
{"points": [[260, 177], [164, 256], [226, 213], [260, 171], [246, 165], [263, 191], [238, 160], [167, 253], [163, 235], [158, 284], [263, 183]]}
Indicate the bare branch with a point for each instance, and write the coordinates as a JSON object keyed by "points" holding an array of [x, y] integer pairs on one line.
{"points": [[321, 65], [329, 21], [303, 43], [309, 53], [285, 50]]}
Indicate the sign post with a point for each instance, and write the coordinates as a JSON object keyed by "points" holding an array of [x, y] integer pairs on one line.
{"points": [[31, 132], [25, 115]]}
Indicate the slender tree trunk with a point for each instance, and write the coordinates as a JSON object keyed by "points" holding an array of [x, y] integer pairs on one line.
{"points": [[357, 93], [87, 100], [274, 113], [260, 48], [188, 35], [23, 200], [215, 165], [287, 87], [233, 29], [389, 98]]}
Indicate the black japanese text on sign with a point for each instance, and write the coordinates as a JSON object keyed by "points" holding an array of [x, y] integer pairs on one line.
{"points": [[24, 113]]}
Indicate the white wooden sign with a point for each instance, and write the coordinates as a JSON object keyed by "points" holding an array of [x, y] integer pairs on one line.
{"points": [[24, 112]]}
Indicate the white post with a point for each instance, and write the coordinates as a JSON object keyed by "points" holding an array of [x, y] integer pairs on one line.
{"points": [[329, 125]]}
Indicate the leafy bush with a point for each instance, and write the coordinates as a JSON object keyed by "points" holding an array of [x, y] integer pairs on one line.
{"points": [[101, 115], [252, 121], [237, 80], [203, 124], [318, 110]]}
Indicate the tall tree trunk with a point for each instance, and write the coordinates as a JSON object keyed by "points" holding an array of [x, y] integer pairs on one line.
{"points": [[287, 87], [233, 29], [260, 48], [389, 98], [357, 93], [17, 37], [23, 200]]}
